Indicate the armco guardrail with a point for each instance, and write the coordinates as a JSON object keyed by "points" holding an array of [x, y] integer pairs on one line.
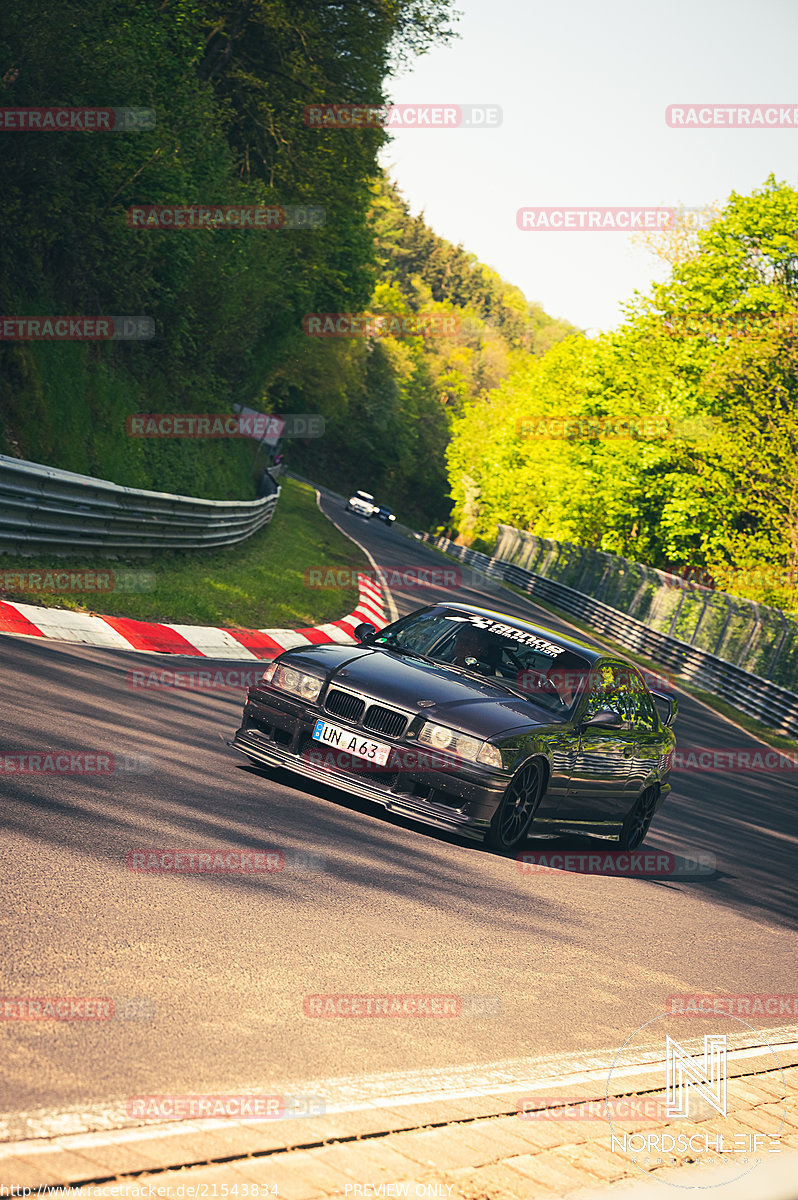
{"points": [[759, 639], [769, 703], [44, 508]]}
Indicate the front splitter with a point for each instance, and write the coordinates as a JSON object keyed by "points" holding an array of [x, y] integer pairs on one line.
{"points": [[453, 821]]}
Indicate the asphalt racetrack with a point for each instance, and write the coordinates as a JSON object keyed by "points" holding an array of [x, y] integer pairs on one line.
{"points": [[209, 974]]}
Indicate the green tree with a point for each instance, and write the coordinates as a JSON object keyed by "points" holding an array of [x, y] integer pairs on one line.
{"points": [[709, 358]]}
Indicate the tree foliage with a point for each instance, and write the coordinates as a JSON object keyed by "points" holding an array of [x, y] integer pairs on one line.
{"points": [[704, 366], [229, 81], [389, 403]]}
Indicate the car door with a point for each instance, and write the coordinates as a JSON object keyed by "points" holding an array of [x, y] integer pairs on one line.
{"points": [[527, 669], [598, 789], [650, 743]]}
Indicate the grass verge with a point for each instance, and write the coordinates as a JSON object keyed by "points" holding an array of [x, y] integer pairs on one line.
{"points": [[257, 584]]}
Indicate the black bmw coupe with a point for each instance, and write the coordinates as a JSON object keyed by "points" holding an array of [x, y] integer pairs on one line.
{"points": [[472, 721]]}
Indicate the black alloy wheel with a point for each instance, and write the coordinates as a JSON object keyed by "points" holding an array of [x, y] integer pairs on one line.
{"points": [[638, 820], [516, 811]]}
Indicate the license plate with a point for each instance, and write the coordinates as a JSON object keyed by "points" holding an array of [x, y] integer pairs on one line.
{"points": [[343, 739]]}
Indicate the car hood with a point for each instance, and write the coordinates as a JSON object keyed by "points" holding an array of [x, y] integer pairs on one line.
{"points": [[470, 704]]}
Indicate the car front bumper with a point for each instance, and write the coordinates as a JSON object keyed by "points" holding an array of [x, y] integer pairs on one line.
{"points": [[464, 800]]}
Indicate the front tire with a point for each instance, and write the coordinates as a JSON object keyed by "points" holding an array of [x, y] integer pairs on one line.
{"points": [[517, 808], [638, 819]]}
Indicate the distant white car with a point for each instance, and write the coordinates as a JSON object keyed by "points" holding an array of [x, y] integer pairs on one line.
{"points": [[361, 503]]}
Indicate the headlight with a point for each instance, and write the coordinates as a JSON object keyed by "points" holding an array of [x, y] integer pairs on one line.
{"points": [[288, 679], [441, 738], [490, 755]]}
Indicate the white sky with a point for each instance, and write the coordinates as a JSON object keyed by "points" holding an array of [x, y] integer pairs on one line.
{"points": [[584, 86]]}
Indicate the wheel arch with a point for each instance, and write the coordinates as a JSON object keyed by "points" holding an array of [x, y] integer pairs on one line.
{"points": [[538, 754], [652, 782]]}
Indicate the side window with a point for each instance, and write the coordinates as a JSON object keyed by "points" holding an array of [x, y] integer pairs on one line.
{"points": [[627, 696], [644, 712], [621, 689], [602, 692]]}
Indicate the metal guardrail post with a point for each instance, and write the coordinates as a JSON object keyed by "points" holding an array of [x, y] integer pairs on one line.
{"points": [[683, 593], [551, 566], [700, 619], [601, 589], [722, 635], [755, 628], [633, 602], [771, 667]]}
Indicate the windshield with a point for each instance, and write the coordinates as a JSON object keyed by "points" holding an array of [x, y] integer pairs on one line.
{"points": [[542, 670]]}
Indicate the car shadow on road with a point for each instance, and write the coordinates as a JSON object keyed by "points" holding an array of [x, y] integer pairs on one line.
{"points": [[187, 784]]}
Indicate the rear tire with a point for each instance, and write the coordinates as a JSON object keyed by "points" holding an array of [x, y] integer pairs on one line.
{"points": [[516, 811], [638, 820]]}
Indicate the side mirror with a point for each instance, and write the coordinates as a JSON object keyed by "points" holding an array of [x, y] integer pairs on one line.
{"points": [[365, 631], [605, 718], [672, 708]]}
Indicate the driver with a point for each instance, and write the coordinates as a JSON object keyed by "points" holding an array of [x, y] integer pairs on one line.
{"points": [[566, 675], [476, 644]]}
